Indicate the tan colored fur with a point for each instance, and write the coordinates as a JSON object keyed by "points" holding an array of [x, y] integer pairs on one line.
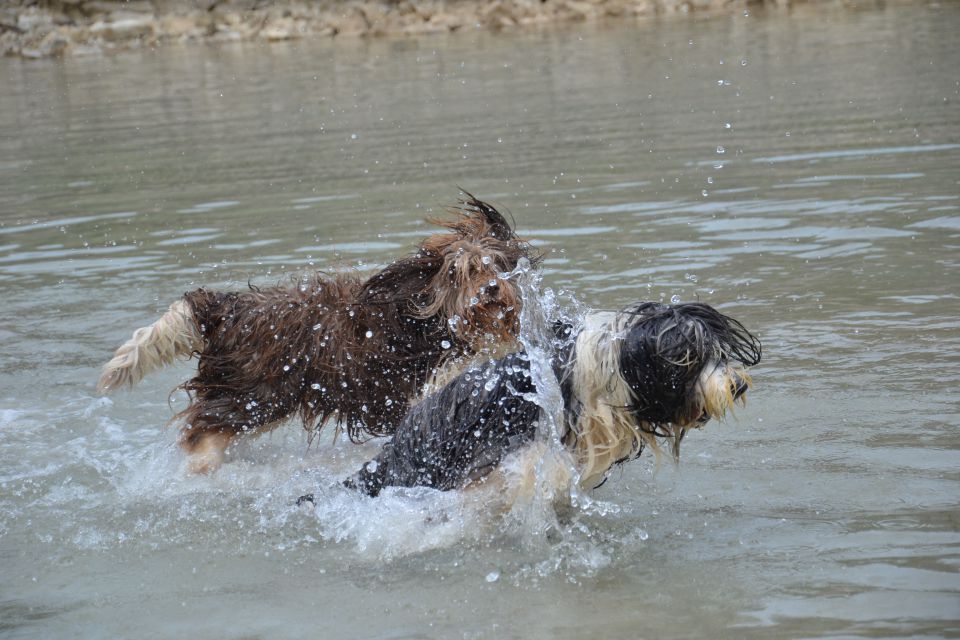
{"points": [[208, 451], [717, 389], [151, 348]]}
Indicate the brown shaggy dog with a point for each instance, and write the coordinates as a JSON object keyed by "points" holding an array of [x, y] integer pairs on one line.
{"points": [[333, 345]]}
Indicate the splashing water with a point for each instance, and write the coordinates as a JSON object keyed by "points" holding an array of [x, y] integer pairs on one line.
{"points": [[118, 480], [542, 310], [405, 521]]}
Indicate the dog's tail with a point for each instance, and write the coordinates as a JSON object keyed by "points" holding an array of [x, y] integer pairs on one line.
{"points": [[152, 347]]}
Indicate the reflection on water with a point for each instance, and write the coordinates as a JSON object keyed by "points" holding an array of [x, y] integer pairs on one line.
{"points": [[798, 170]]}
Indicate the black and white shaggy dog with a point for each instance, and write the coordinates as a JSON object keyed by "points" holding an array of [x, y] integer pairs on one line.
{"points": [[334, 345], [628, 380]]}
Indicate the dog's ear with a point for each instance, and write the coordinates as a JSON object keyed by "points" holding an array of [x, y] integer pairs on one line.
{"points": [[498, 227]]}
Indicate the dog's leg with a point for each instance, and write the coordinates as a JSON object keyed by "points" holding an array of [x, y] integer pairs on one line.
{"points": [[536, 471], [207, 450], [373, 475], [152, 347], [210, 424]]}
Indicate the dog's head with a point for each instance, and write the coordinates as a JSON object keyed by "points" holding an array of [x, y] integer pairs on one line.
{"points": [[684, 364], [457, 276], [467, 287], [650, 373]]}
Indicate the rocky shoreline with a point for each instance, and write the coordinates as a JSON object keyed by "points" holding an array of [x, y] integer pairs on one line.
{"points": [[46, 28]]}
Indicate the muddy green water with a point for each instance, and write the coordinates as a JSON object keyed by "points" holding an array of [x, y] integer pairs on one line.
{"points": [[798, 169]]}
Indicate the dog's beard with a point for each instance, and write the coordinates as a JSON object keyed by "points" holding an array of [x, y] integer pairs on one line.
{"points": [[719, 389]]}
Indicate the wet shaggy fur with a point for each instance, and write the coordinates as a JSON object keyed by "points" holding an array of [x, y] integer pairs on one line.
{"points": [[628, 380], [334, 346]]}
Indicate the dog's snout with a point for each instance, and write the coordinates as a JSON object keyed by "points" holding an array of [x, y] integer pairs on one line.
{"points": [[740, 385]]}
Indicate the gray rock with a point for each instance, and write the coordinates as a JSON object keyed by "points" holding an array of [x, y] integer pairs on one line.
{"points": [[123, 29]]}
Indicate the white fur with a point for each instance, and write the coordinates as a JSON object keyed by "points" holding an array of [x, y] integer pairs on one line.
{"points": [[603, 431], [151, 348]]}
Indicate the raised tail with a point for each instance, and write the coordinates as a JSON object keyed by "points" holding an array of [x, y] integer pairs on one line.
{"points": [[152, 347]]}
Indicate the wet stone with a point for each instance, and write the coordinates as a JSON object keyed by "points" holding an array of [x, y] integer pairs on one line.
{"points": [[123, 29]]}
